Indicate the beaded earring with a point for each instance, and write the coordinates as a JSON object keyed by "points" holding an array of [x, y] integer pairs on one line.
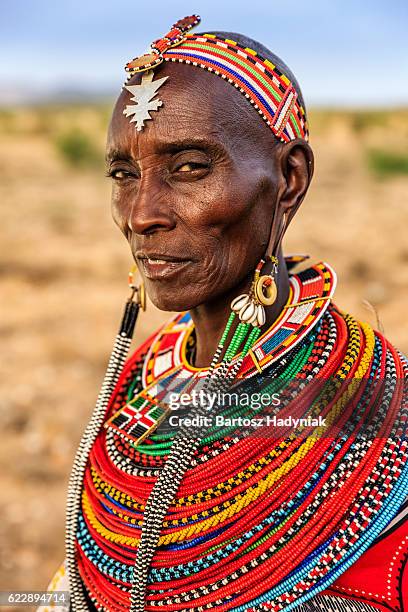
{"points": [[265, 287], [263, 292], [250, 307], [139, 290], [119, 354]]}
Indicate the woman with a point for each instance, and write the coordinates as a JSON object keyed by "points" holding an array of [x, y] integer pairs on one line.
{"points": [[302, 507]]}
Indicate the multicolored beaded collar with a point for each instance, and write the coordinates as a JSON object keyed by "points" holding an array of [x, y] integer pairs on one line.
{"points": [[266, 525], [166, 366], [309, 297], [269, 91]]}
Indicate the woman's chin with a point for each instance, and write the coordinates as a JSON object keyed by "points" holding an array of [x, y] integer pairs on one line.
{"points": [[170, 302]]}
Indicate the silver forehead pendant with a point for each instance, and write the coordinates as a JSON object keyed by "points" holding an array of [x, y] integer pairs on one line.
{"points": [[142, 95]]}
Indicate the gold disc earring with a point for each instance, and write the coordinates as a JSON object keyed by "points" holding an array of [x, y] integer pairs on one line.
{"points": [[265, 289], [139, 290]]}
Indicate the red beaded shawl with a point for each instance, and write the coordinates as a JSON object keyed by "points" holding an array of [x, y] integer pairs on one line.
{"points": [[377, 580]]}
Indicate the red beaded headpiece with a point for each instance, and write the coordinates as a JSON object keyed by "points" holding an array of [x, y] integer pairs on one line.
{"points": [[263, 84]]}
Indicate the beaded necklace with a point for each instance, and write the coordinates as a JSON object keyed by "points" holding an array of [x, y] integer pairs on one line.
{"points": [[252, 521]]}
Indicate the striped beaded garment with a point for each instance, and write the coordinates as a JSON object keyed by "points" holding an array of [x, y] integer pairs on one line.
{"points": [[295, 523]]}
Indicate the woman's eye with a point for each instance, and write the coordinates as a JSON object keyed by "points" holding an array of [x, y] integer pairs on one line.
{"points": [[119, 174], [186, 168], [191, 167]]}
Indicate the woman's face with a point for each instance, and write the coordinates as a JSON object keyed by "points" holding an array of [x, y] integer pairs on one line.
{"points": [[194, 192]]}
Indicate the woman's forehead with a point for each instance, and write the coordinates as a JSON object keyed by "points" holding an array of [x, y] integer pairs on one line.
{"points": [[194, 104]]}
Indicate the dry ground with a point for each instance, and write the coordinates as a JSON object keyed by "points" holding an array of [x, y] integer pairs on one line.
{"points": [[64, 272]]}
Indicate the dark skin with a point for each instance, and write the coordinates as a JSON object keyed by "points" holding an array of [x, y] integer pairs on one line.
{"points": [[200, 200]]}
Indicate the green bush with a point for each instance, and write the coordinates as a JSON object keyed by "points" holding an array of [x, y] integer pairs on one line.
{"points": [[386, 164], [78, 149]]}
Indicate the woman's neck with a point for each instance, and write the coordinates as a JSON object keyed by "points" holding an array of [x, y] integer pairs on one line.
{"points": [[210, 319]]}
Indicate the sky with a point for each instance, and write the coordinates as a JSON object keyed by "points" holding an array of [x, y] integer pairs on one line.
{"points": [[343, 52]]}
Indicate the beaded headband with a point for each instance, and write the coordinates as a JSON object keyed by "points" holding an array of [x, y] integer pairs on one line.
{"points": [[258, 79]]}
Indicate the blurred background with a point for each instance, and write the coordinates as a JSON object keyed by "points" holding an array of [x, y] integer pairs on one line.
{"points": [[64, 264]]}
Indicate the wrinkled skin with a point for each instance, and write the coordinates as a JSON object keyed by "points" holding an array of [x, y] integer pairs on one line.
{"points": [[206, 184]]}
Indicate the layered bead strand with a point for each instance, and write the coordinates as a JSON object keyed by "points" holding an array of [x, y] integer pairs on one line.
{"points": [[243, 504]]}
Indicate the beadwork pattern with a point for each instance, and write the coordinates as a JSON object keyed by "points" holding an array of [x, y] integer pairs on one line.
{"points": [[269, 91], [268, 524], [258, 79]]}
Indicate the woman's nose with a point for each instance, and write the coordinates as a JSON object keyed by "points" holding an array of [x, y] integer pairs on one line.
{"points": [[151, 210]]}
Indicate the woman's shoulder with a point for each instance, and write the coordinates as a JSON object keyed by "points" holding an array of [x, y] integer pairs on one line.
{"points": [[144, 361], [172, 327], [379, 578]]}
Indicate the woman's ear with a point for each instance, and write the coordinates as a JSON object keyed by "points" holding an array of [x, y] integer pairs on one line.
{"points": [[297, 165]]}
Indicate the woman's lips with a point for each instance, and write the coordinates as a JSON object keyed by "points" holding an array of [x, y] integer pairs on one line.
{"points": [[156, 268]]}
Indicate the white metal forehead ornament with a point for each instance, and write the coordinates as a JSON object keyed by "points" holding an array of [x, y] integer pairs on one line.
{"points": [[143, 95]]}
